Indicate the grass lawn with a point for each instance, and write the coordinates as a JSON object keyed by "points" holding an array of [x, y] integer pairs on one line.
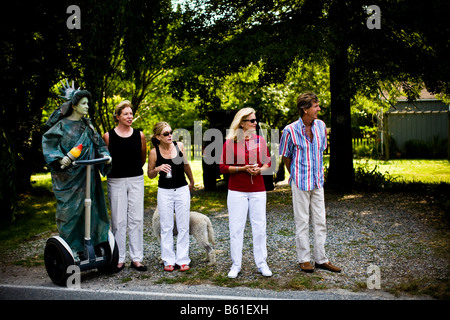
{"points": [[35, 213], [426, 171]]}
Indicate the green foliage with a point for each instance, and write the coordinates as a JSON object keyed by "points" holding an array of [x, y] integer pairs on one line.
{"points": [[434, 149], [180, 114], [225, 36], [7, 183], [33, 56], [370, 180], [212, 55], [415, 176], [275, 103], [308, 75], [363, 151], [35, 215], [243, 89], [415, 170], [364, 112]]}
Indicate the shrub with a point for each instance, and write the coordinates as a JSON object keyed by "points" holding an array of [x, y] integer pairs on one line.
{"points": [[372, 180], [7, 183], [417, 149], [363, 151], [434, 149]]}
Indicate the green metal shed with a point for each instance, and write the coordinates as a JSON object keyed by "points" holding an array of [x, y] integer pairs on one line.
{"points": [[424, 122]]}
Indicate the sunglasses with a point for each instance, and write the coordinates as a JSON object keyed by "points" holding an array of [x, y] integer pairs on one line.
{"points": [[251, 120], [166, 134]]}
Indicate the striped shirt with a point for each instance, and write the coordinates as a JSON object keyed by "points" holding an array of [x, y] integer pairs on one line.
{"points": [[306, 156]]}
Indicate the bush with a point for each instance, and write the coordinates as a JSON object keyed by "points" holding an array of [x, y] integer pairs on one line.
{"points": [[435, 149], [363, 151], [7, 183], [367, 180], [372, 180]]}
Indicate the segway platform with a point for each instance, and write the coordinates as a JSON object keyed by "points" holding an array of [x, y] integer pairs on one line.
{"points": [[58, 255]]}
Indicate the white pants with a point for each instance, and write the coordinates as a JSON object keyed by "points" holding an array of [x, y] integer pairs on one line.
{"points": [[306, 203], [239, 203], [126, 199], [178, 200]]}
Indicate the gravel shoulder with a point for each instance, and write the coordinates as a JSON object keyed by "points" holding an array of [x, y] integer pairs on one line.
{"points": [[405, 235]]}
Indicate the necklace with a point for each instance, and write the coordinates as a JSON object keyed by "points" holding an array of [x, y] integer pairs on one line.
{"points": [[124, 133]]}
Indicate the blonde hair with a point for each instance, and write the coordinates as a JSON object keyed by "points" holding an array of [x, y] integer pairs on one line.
{"points": [[235, 132], [122, 105], [157, 129]]}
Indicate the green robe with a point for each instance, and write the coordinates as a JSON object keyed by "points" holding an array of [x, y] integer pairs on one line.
{"points": [[69, 185]]}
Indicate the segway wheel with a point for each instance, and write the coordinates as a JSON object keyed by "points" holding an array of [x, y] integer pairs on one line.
{"points": [[57, 260], [112, 258]]}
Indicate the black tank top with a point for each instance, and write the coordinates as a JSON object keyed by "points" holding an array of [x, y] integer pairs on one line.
{"points": [[126, 154], [178, 178]]}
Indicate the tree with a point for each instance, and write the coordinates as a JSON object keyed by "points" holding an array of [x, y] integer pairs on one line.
{"points": [[123, 47], [274, 103], [118, 43], [223, 36], [34, 51]]}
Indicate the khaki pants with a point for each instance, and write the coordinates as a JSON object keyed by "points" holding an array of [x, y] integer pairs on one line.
{"points": [[309, 204]]}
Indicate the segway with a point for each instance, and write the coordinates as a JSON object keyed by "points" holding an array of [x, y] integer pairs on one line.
{"points": [[58, 255]]}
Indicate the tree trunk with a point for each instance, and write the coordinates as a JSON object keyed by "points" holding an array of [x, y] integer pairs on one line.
{"points": [[340, 173]]}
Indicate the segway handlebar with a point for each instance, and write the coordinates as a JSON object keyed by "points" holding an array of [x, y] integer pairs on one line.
{"points": [[91, 162]]}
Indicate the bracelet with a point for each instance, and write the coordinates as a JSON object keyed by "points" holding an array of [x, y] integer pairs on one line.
{"points": [[237, 169]]}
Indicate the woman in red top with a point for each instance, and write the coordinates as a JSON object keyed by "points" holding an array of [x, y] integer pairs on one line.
{"points": [[245, 157]]}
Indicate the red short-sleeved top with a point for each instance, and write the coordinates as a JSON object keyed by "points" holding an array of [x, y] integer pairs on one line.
{"points": [[240, 153]]}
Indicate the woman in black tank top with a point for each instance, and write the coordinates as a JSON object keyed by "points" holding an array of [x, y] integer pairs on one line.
{"points": [[176, 169], [128, 150], [168, 160]]}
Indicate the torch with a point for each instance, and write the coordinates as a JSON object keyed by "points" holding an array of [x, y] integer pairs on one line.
{"points": [[74, 153]]}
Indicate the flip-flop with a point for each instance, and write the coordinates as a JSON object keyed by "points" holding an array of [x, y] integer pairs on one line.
{"points": [[184, 267], [168, 268]]}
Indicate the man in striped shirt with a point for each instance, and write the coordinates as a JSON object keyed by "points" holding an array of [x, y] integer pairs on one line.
{"points": [[302, 145]]}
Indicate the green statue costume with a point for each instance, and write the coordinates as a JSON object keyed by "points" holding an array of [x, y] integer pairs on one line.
{"points": [[69, 184]]}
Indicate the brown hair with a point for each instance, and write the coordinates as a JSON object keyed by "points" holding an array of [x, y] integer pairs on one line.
{"points": [[305, 100], [122, 105]]}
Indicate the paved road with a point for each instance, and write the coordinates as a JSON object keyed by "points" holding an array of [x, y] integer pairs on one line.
{"points": [[181, 292], [200, 301]]}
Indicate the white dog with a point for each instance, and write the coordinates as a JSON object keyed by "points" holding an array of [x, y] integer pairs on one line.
{"points": [[199, 226]]}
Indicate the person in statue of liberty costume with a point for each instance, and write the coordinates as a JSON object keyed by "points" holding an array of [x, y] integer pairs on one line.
{"points": [[69, 128]]}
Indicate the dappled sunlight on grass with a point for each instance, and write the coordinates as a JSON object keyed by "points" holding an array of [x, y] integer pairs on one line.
{"points": [[35, 215], [426, 171], [208, 202], [36, 210]]}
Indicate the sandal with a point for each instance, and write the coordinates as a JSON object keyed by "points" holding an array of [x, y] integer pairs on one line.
{"points": [[168, 268], [141, 267], [184, 267]]}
